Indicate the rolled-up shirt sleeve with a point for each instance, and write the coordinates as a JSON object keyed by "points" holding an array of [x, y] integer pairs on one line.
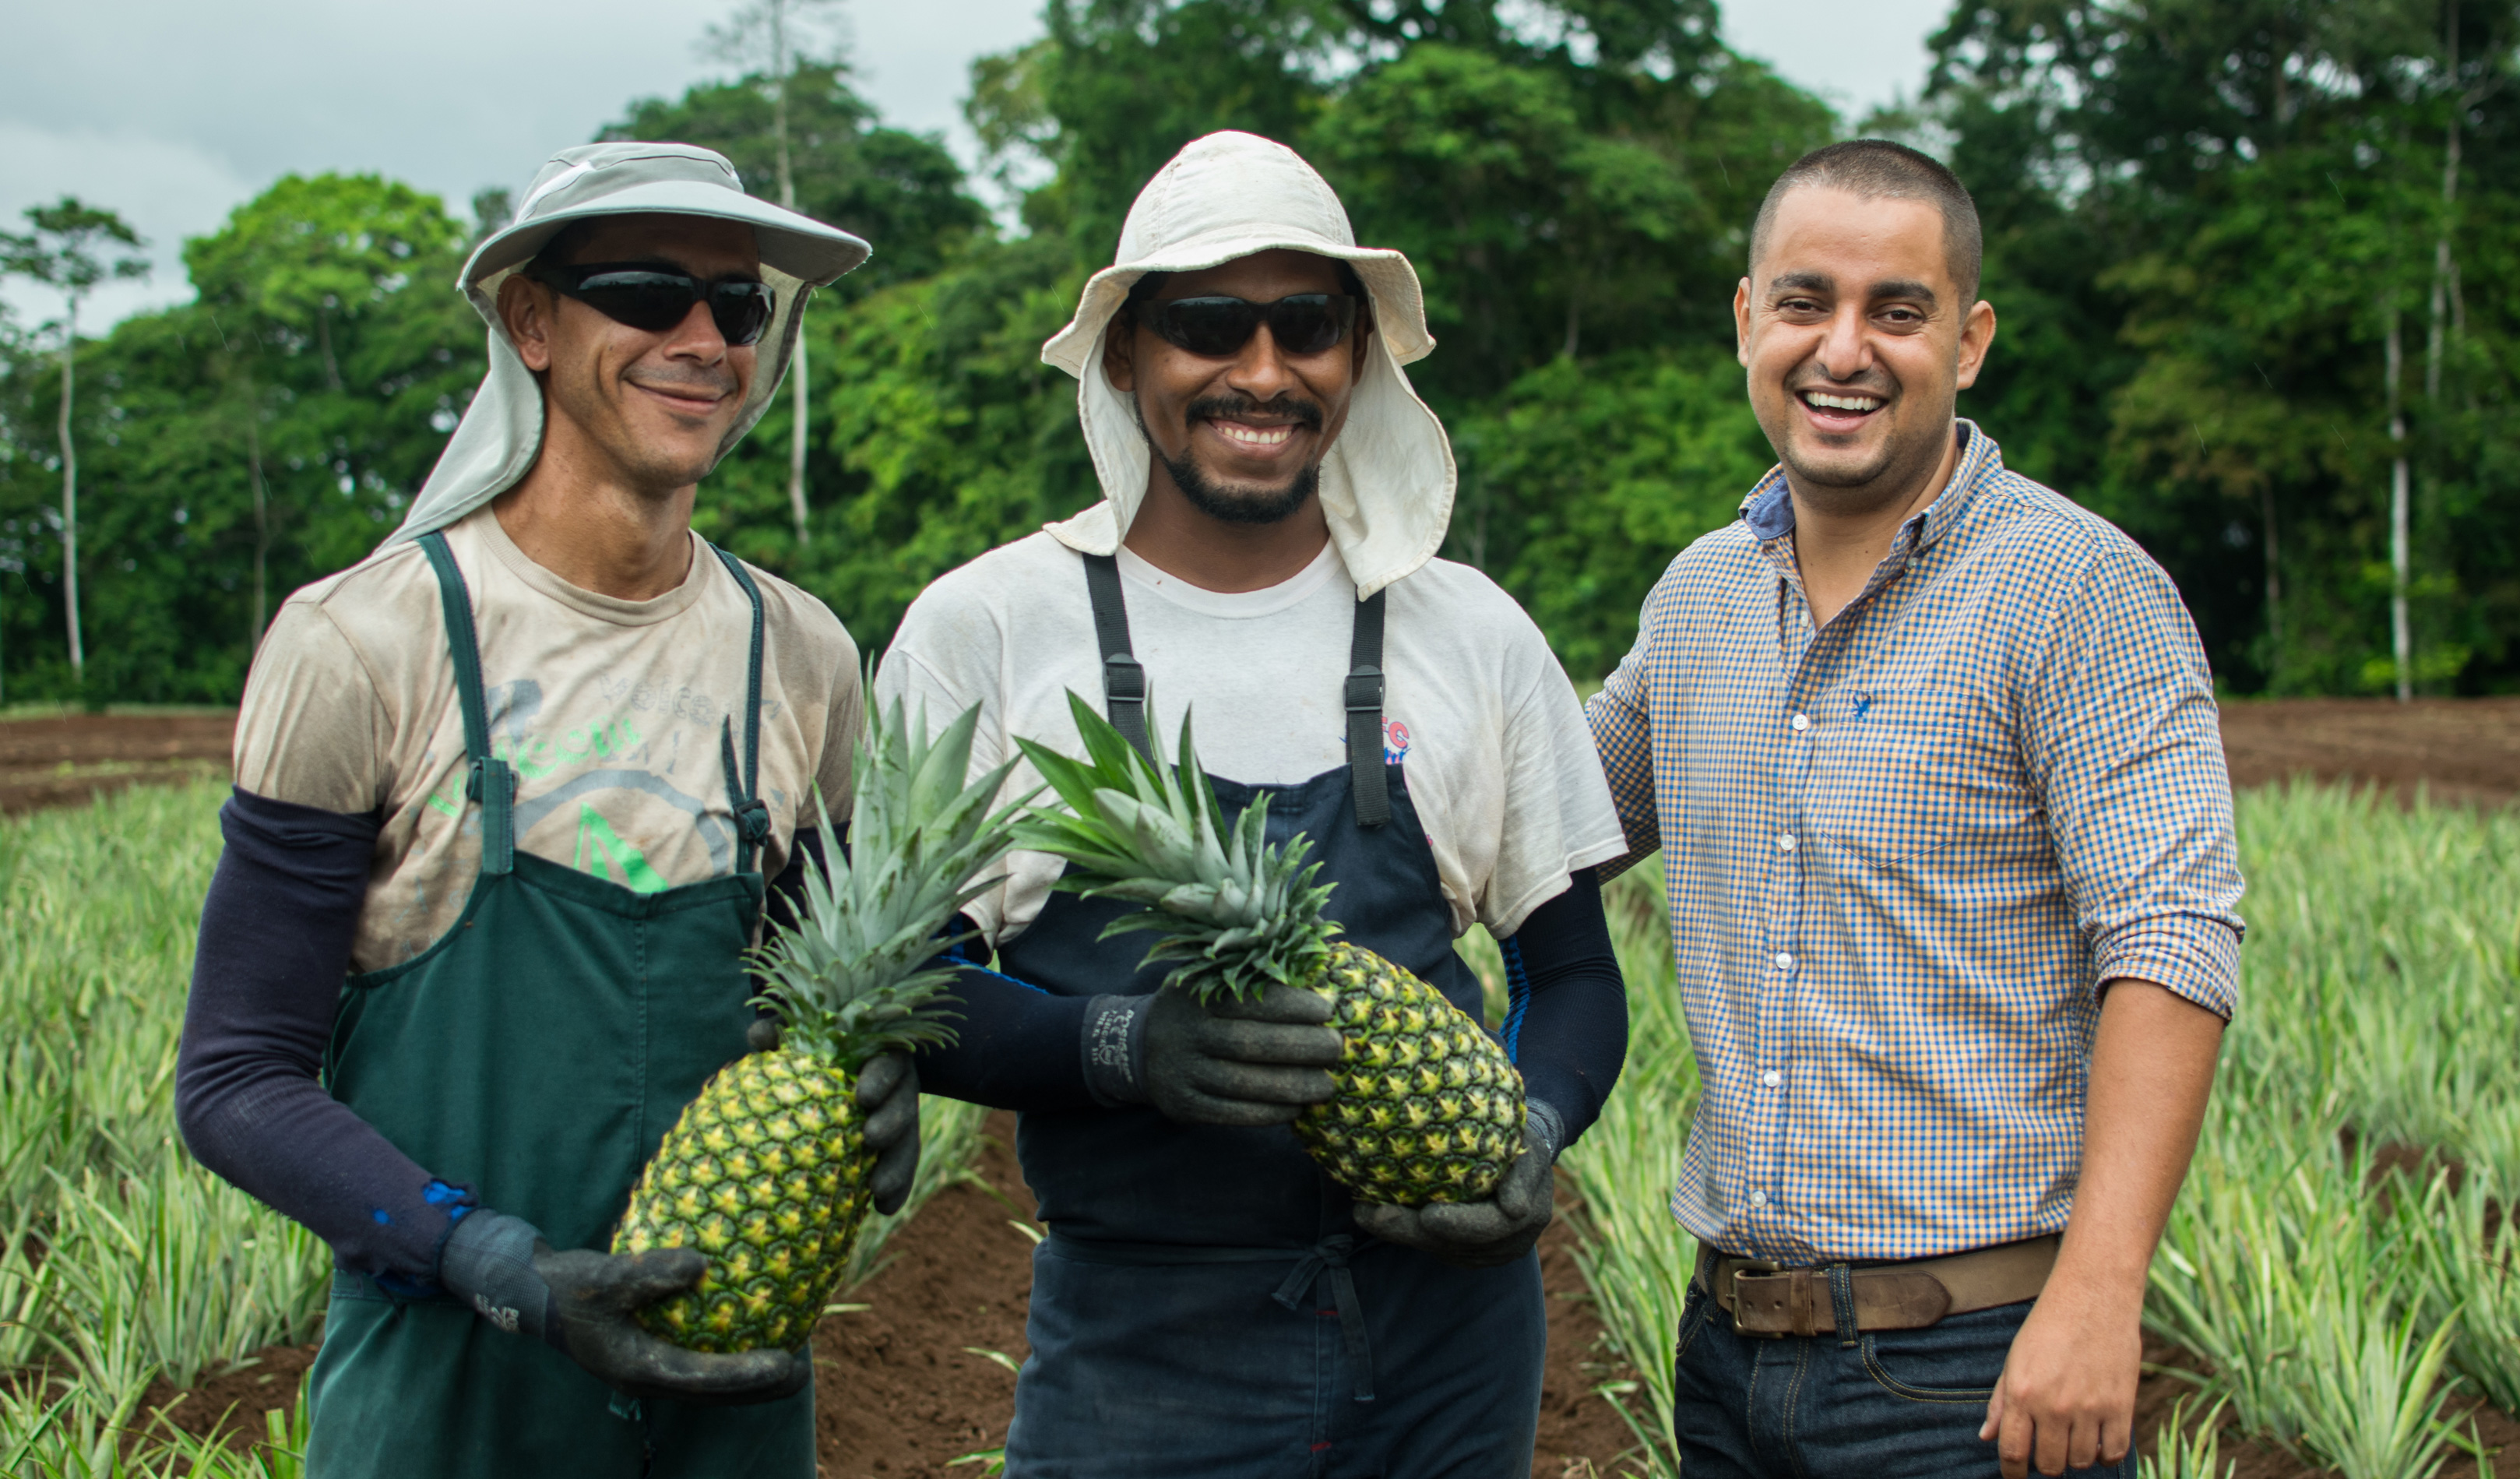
{"points": [[2124, 742]]}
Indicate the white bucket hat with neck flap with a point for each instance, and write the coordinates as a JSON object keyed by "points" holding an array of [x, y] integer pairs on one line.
{"points": [[1386, 485], [501, 434]]}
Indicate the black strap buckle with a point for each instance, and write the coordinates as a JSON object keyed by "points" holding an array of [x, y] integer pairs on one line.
{"points": [[1365, 691], [1124, 679]]}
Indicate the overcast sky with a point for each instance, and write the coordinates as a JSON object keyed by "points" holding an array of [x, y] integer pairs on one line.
{"points": [[174, 114]]}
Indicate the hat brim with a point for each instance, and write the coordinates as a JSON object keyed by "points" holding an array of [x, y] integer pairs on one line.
{"points": [[793, 243], [1401, 319]]}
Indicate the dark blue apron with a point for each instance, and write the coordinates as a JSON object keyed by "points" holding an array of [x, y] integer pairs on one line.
{"points": [[1203, 1303]]}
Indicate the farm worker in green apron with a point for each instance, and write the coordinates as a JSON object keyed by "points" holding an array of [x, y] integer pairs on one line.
{"points": [[507, 791]]}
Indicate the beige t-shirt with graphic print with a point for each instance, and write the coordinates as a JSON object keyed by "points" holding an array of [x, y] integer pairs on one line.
{"points": [[610, 711]]}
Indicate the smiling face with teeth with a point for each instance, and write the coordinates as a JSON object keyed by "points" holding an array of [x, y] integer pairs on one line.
{"points": [[1237, 439], [1858, 343]]}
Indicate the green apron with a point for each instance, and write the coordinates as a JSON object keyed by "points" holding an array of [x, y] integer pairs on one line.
{"points": [[538, 1052]]}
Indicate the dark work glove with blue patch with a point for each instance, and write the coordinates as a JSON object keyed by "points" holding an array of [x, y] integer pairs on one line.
{"points": [[888, 1094], [580, 1303], [1482, 1234]]}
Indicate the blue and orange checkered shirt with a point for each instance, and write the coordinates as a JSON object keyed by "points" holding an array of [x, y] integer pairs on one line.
{"points": [[1906, 849]]}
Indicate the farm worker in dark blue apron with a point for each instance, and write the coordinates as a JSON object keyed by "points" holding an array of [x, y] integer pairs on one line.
{"points": [[507, 791], [1207, 1301]]}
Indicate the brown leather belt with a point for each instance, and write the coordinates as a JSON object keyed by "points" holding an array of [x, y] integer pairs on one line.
{"points": [[1764, 1299]]}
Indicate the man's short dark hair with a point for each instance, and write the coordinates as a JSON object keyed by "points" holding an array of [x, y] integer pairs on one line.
{"points": [[1877, 169]]}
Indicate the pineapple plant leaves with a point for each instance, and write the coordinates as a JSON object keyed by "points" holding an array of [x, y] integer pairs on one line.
{"points": [[768, 1171], [1429, 1108]]}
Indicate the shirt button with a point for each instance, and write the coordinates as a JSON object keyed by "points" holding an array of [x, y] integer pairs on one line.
{"points": [[1771, 1078], [1784, 841], [1758, 1198], [1784, 961], [1801, 721]]}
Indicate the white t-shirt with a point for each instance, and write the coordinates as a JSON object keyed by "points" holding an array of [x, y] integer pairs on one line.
{"points": [[1500, 764], [610, 712]]}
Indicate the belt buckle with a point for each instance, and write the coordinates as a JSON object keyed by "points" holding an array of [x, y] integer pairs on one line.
{"points": [[1729, 1284]]}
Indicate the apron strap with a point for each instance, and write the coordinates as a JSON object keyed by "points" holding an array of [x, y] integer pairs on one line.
{"points": [[1124, 686], [1372, 788], [1124, 681], [491, 782], [743, 786]]}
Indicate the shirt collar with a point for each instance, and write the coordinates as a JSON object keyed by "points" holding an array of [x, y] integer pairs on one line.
{"points": [[1769, 510]]}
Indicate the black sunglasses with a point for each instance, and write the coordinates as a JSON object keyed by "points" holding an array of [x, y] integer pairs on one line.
{"points": [[656, 298], [1214, 328]]}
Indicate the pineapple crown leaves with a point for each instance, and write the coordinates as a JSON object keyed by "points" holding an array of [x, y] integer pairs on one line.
{"points": [[851, 978], [1235, 912]]}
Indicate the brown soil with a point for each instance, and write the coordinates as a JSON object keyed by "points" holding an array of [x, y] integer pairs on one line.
{"points": [[912, 1383], [62, 762], [2457, 749]]}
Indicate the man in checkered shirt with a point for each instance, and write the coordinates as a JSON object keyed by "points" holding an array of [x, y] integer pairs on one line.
{"points": [[1932, 757]]}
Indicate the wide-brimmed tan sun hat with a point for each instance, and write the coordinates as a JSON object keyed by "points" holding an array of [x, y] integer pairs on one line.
{"points": [[501, 434], [1387, 482]]}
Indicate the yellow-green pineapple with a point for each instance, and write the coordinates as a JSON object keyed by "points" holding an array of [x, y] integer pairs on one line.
{"points": [[1428, 1108], [767, 1171]]}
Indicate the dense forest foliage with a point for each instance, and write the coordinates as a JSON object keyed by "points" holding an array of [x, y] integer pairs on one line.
{"points": [[2251, 259]]}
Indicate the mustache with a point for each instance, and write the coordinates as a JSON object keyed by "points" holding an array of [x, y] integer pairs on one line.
{"points": [[718, 382], [1229, 407]]}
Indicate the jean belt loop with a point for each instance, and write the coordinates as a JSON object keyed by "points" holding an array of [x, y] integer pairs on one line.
{"points": [[1841, 1292]]}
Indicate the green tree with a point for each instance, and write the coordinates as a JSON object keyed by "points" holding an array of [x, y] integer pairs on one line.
{"points": [[72, 247], [263, 436], [2232, 209], [792, 122]]}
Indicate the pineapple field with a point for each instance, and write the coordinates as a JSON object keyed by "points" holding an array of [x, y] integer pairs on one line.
{"points": [[2336, 1294]]}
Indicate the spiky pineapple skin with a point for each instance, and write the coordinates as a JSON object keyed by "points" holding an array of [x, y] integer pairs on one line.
{"points": [[1429, 1108], [768, 1173]]}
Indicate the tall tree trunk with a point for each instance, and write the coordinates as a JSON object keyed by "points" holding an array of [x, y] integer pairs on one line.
{"points": [[69, 500], [261, 510], [797, 436], [2274, 579], [2400, 636], [2445, 264], [324, 339]]}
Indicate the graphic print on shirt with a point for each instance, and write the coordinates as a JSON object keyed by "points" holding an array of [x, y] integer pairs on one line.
{"points": [[1395, 740], [621, 757]]}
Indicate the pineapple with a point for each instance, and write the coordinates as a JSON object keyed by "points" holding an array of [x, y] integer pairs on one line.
{"points": [[766, 1172], [1428, 1108]]}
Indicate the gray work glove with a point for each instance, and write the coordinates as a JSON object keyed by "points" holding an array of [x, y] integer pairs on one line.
{"points": [[1233, 1062], [1482, 1234], [580, 1303], [888, 1093]]}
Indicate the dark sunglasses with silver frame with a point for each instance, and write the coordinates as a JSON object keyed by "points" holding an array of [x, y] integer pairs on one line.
{"points": [[654, 297]]}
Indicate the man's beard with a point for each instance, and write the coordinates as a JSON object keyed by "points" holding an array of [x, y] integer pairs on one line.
{"points": [[1240, 502]]}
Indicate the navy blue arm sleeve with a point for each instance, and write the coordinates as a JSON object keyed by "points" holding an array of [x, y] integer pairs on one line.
{"points": [[1016, 1046], [1567, 1019], [275, 947]]}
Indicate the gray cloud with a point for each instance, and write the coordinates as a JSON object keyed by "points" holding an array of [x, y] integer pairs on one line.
{"points": [[176, 112]]}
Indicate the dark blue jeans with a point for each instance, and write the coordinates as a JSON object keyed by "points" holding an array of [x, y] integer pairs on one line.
{"points": [[1887, 1405]]}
